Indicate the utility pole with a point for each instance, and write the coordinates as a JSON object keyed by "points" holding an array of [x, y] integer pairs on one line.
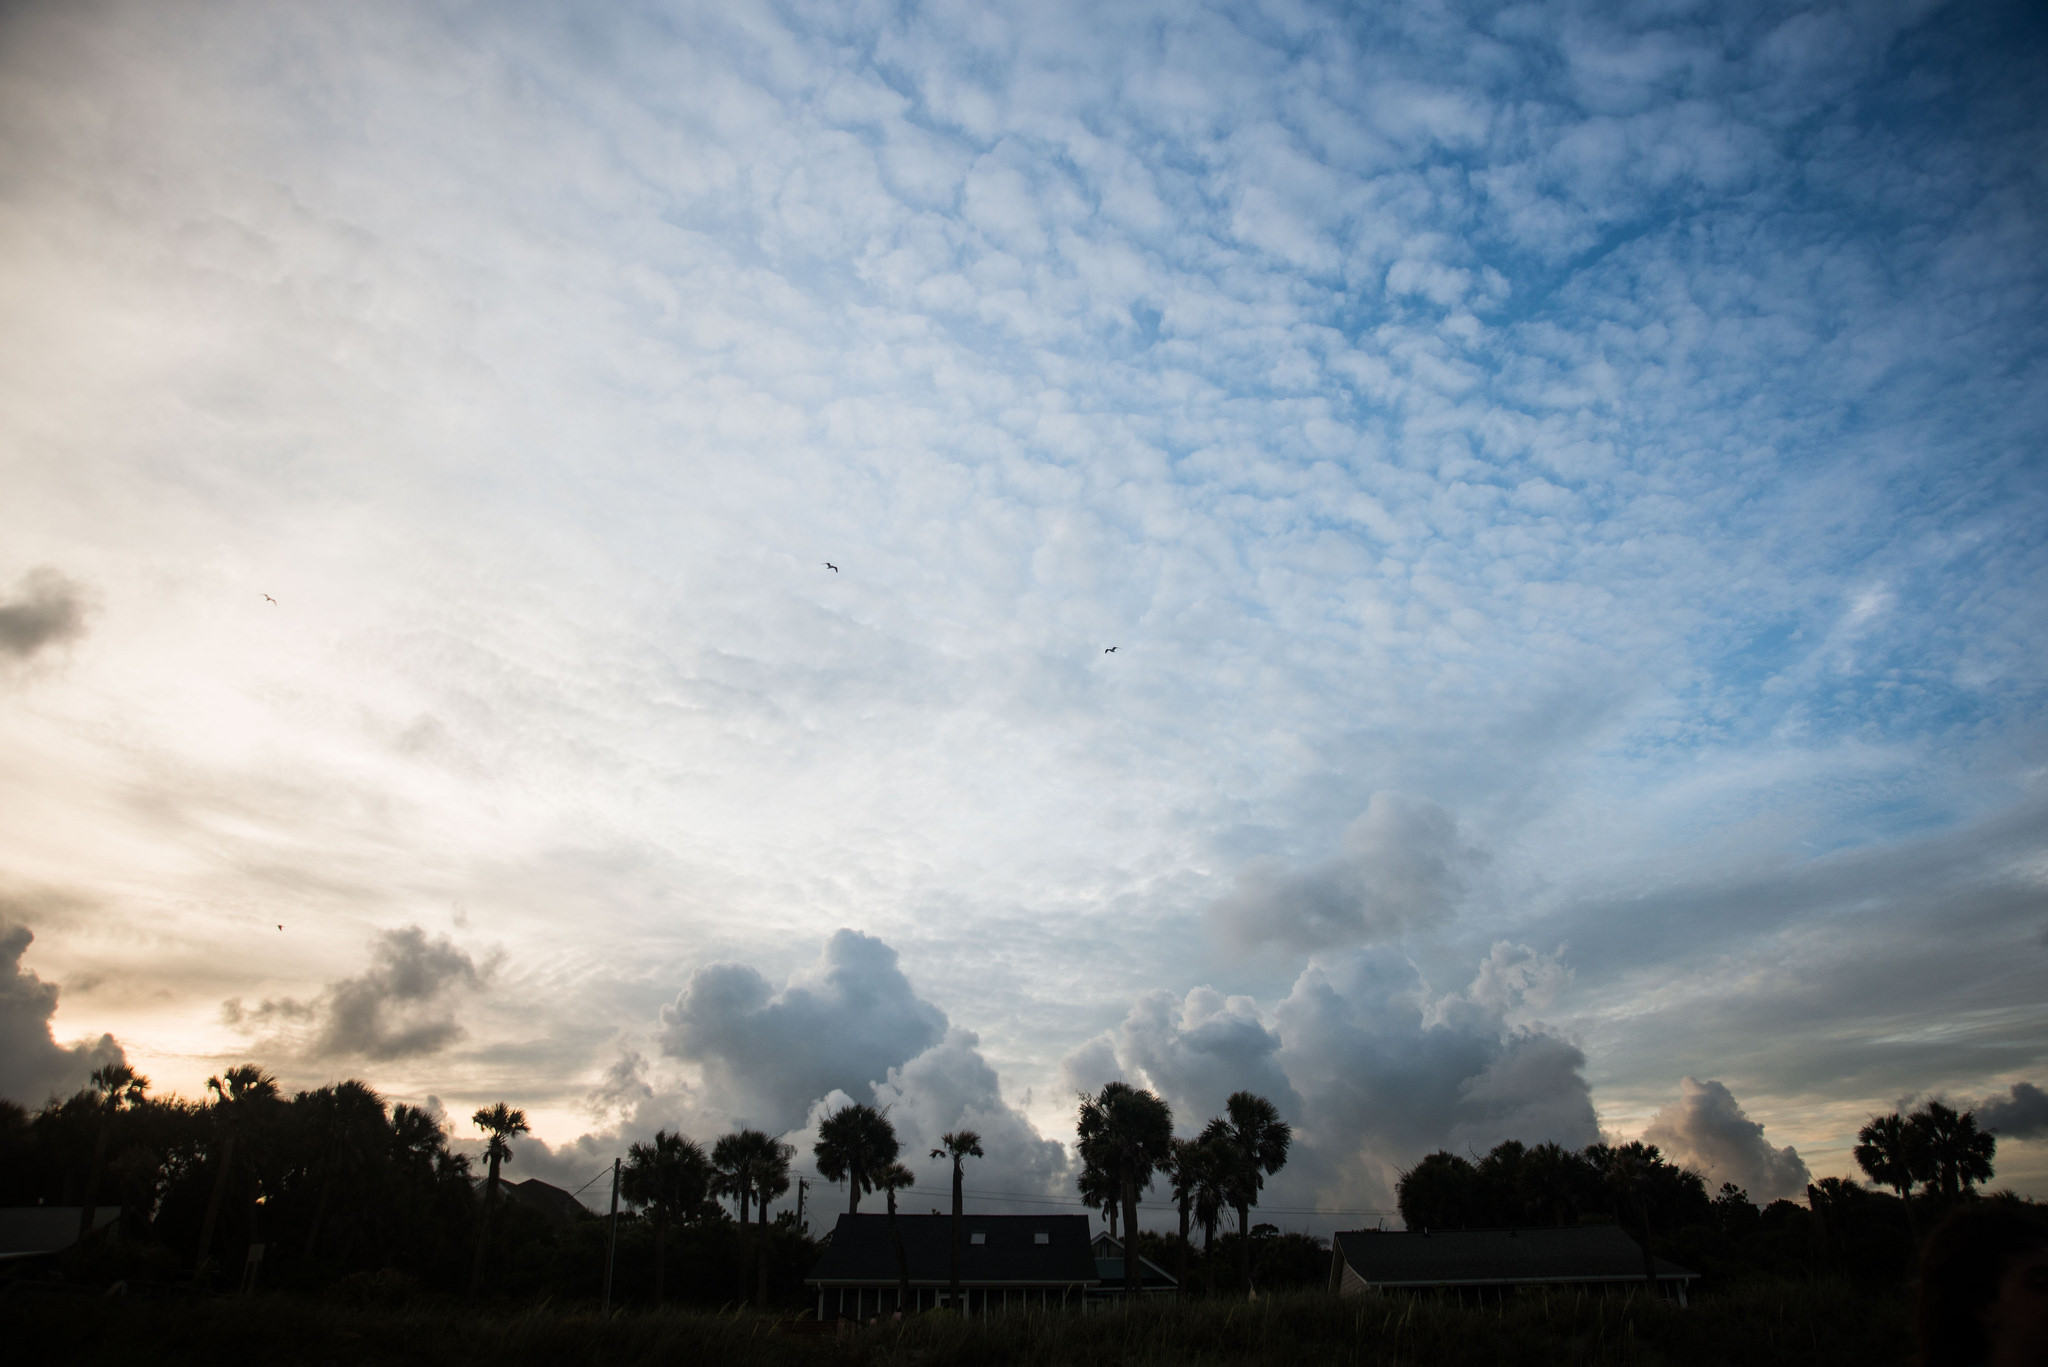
{"points": [[803, 1184], [611, 1248]]}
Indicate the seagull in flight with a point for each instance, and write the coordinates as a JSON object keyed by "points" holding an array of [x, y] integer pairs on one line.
{"points": [[1110, 651], [268, 599], [280, 927], [832, 567]]}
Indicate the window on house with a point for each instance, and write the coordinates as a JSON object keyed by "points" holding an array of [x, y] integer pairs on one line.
{"points": [[1041, 1237], [978, 1237]]}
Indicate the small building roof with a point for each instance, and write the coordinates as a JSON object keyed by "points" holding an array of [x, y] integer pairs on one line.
{"points": [[1010, 1254], [1495, 1257], [26, 1231], [557, 1206], [1109, 1268]]}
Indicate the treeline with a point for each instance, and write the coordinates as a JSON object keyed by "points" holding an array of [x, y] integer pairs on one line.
{"points": [[1931, 1160], [342, 1191]]}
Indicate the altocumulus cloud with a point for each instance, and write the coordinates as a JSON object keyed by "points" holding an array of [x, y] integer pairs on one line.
{"points": [[400, 1007]]}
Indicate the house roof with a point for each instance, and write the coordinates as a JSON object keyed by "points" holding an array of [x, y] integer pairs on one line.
{"points": [[861, 1252], [1454, 1257], [558, 1206], [28, 1230], [1109, 1266]]}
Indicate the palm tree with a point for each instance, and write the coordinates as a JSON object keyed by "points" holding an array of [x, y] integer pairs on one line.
{"points": [[669, 1178], [768, 1167], [1212, 1163], [1891, 1152], [1629, 1169], [239, 1095], [854, 1145], [1259, 1140], [1184, 1173], [733, 1171], [1958, 1153], [890, 1180], [118, 1085], [501, 1123], [1100, 1190], [1128, 1132], [351, 1118], [958, 1146]]}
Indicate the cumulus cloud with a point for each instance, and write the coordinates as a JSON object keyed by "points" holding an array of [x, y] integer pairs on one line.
{"points": [[1707, 1129], [33, 1066], [403, 1005], [1403, 867], [767, 1054], [2021, 1113], [1372, 1068], [47, 609], [949, 1087]]}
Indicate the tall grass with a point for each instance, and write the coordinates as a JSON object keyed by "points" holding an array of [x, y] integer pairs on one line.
{"points": [[1785, 1323]]}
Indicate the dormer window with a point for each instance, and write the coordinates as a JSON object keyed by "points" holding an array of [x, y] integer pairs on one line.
{"points": [[1041, 1237], [978, 1237]]}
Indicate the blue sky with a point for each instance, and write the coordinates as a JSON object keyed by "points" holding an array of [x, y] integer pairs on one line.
{"points": [[1565, 485]]}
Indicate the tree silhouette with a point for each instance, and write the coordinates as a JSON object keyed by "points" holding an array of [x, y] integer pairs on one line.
{"points": [[732, 1171], [1629, 1169], [1957, 1151], [240, 1094], [958, 1146], [1893, 1152], [669, 1177], [1258, 1140], [117, 1085], [1127, 1132], [353, 1136], [854, 1145], [1100, 1190], [890, 1180], [501, 1123]]}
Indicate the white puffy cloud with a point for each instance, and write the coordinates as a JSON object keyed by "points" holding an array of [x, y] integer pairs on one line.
{"points": [[1707, 1129], [1402, 869], [33, 1066]]}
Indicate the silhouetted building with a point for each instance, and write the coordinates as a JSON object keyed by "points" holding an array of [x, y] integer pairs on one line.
{"points": [[1007, 1262], [558, 1207], [1584, 1255], [27, 1231], [1153, 1280]]}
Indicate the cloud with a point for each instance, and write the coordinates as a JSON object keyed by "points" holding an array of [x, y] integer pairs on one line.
{"points": [[1707, 1129], [768, 1054], [1403, 868], [949, 1087], [1195, 1051], [48, 609], [33, 1066], [402, 1006], [2021, 1113]]}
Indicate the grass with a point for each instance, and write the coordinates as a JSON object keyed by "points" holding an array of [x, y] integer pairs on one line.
{"points": [[1781, 1323]]}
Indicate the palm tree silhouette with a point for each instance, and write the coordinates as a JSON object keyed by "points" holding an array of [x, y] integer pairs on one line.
{"points": [[732, 1174], [240, 1094], [1213, 1164], [118, 1085], [1892, 1152], [501, 1123], [669, 1178], [351, 1117], [1127, 1132], [854, 1145], [890, 1180], [1959, 1153], [1258, 1139], [1100, 1190], [1628, 1169], [1184, 1174], [958, 1146]]}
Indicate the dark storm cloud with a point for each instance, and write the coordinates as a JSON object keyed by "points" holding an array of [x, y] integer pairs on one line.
{"points": [[1707, 1129], [47, 609], [402, 1006], [841, 1026], [2021, 1113], [33, 1066], [1402, 868]]}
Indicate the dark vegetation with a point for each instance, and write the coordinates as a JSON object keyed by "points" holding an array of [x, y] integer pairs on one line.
{"points": [[384, 1245]]}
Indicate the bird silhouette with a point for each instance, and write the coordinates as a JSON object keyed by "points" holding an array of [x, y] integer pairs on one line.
{"points": [[268, 599], [832, 567], [1110, 651], [280, 927]]}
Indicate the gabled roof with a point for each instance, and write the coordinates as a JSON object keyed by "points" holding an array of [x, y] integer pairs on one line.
{"points": [[28, 1230], [1453, 1257], [862, 1254], [558, 1206], [1109, 1267]]}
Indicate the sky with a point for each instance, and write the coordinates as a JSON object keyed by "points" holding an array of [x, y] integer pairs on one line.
{"points": [[572, 557]]}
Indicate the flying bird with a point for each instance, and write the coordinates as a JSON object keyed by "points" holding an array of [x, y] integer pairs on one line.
{"points": [[280, 927], [832, 567], [1110, 651], [268, 599]]}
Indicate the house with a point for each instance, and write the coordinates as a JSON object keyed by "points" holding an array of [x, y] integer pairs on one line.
{"points": [[1007, 1262], [1584, 1255], [554, 1205], [1109, 1272], [27, 1231]]}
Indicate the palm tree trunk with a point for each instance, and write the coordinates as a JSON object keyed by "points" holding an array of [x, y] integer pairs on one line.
{"points": [[959, 1224], [1208, 1257], [91, 1207], [483, 1233], [902, 1259], [1182, 1266], [220, 1186], [1244, 1245], [1132, 1280], [1649, 1260], [319, 1214], [853, 1192], [660, 1255]]}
